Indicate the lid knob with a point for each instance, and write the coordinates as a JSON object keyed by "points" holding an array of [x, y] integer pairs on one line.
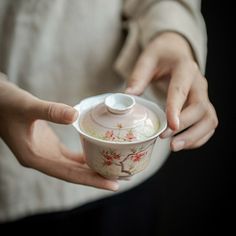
{"points": [[119, 103]]}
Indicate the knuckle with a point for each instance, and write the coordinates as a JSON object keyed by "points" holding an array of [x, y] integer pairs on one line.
{"points": [[200, 105], [194, 67], [181, 90], [189, 143], [145, 62], [214, 121], [204, 106], [50, 111], [202, 141], [191, 67], [213, 117]]}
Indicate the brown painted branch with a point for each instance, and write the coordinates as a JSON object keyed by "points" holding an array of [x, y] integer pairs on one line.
{"points": [[123, 170], [131, 154], [118, 164]]}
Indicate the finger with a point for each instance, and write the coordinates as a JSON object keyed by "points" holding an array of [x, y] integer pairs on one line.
{"points": [[189, 116], [75, 174], [93, 179], [178, 91], [192, 135], [71, 155], [202, 141], [143, 73], [54, 112], [77, 157], [128, 178]]}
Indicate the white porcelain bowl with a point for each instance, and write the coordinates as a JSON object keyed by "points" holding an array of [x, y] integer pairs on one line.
{"points": [[112, 157]]}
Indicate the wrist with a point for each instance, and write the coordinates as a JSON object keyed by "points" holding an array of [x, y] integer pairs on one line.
{"points": [[176, 44]]}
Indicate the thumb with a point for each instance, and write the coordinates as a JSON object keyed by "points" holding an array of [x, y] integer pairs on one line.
{"points": [[54, 112], [142, 74]]}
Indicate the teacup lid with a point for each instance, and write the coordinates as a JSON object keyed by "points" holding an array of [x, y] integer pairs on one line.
{"points": [[119, 118]]}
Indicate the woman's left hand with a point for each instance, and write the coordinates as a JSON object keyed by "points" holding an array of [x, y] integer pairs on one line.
{"points": [[191, 117]]}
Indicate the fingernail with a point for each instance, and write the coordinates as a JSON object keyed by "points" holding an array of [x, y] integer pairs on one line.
{"points": [[167, 133], [178, 145], [176, 118], [114, 186], [70, 114], [129, 90]]}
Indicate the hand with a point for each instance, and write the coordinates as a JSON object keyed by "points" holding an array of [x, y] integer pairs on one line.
{"points": [[191, 117], [35, 145]]}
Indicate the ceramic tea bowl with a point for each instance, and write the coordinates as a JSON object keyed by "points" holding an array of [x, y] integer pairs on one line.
{"points": [[118, 132]]}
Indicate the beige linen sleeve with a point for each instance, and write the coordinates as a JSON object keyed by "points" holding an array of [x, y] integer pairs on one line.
{"points": [[145, 19]]}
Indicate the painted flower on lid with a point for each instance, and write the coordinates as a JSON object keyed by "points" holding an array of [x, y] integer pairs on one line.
{"points": [[119, 119]]}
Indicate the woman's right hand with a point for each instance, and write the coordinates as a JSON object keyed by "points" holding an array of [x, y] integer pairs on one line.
{"points": [[24, 129]]}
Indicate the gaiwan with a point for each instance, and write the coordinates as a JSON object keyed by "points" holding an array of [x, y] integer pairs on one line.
{"points": [[118, 132]]}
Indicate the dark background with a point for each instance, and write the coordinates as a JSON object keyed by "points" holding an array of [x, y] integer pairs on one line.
{"points": [[192, 193]]}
